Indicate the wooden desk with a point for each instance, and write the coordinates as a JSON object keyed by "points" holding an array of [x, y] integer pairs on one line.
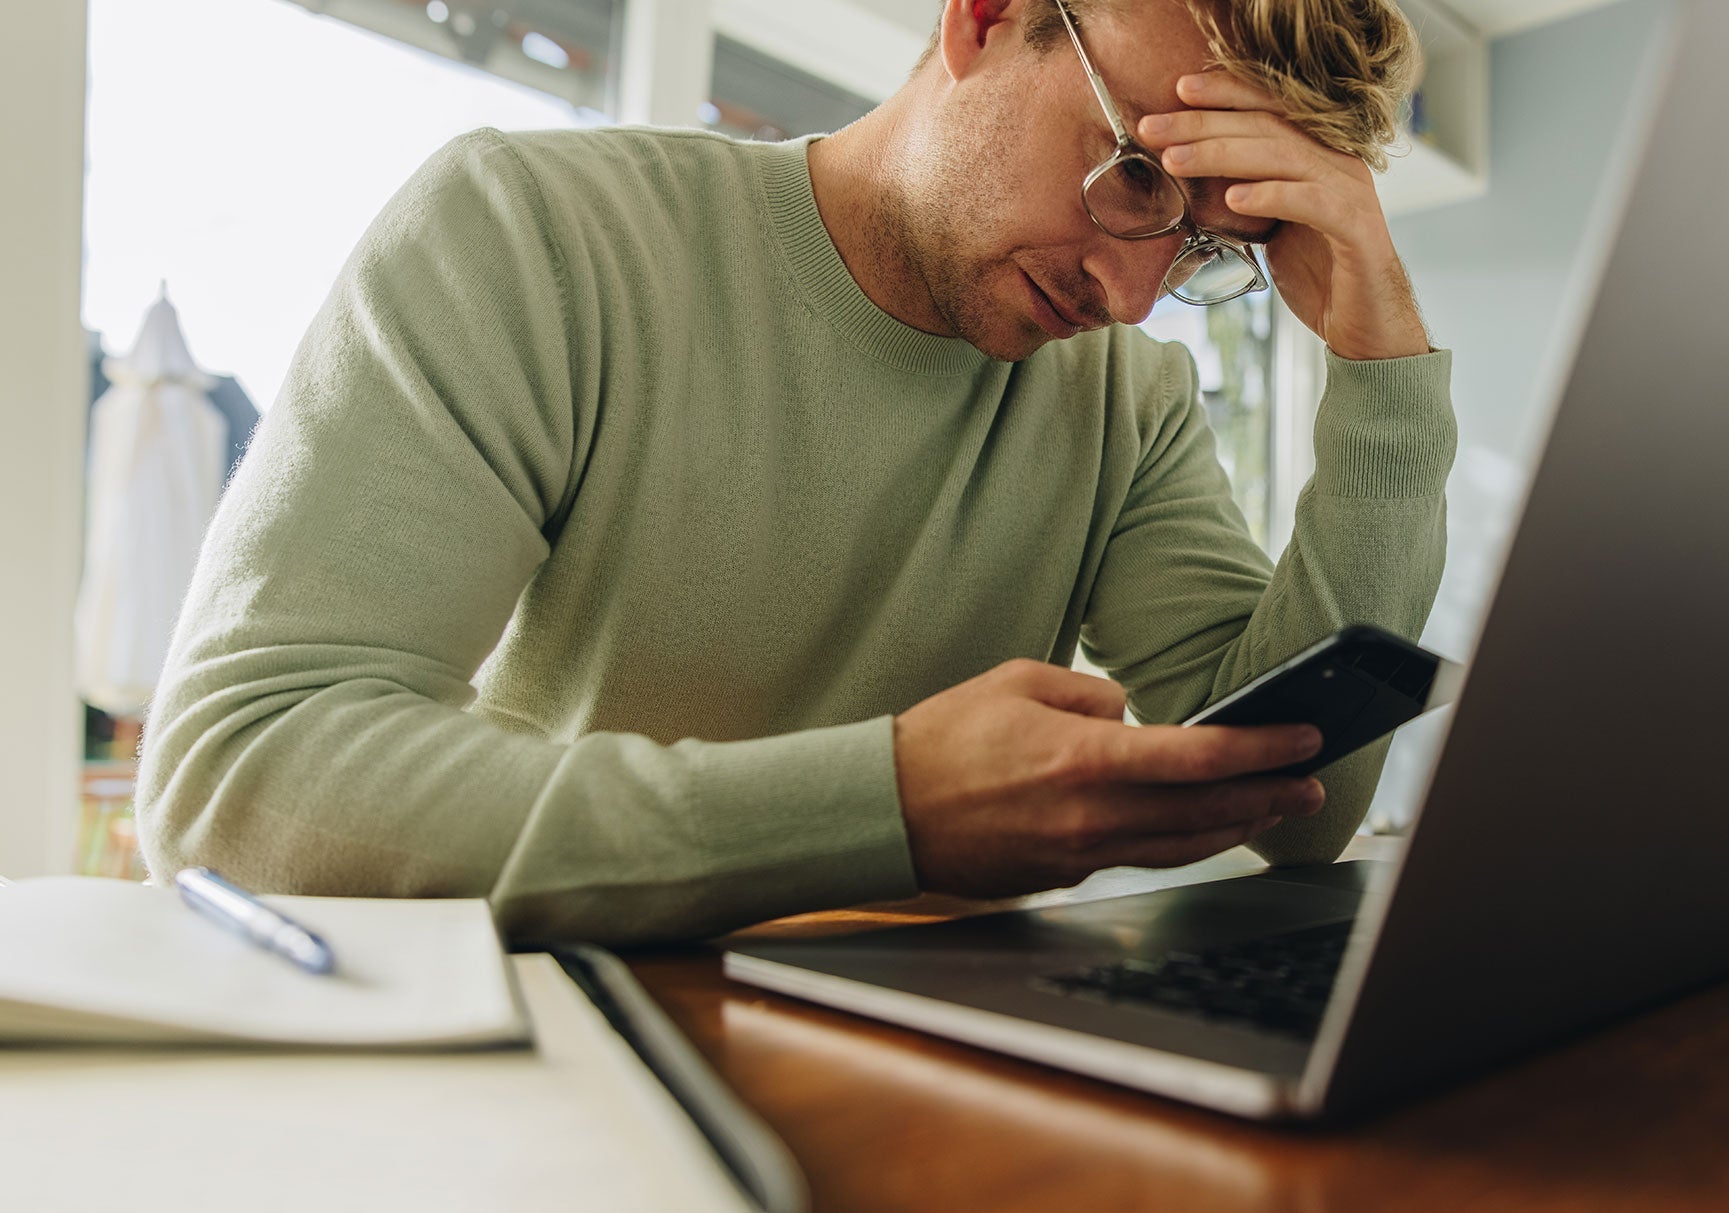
{"points": [[1634, 1118]]}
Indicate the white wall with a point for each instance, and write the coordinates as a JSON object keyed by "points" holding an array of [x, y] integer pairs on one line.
{"points": [[42, 405]]}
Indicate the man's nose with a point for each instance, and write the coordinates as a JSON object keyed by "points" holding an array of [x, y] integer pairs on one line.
{"points": [[1131, 273]]}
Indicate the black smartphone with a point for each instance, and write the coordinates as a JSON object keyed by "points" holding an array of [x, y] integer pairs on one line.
{"points": [[1360, 683]]}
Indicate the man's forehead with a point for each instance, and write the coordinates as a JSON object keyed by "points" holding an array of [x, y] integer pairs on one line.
{"points": [[1142, 50]]}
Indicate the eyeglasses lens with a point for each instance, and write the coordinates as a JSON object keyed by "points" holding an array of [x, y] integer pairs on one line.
{"points": [[1135, 198], [1210, 274]]}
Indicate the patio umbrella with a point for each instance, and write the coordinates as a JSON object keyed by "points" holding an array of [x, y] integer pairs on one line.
{"points": [[157, 454]]}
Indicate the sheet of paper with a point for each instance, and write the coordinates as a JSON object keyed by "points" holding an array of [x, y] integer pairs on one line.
{"points": [[84, 958]]}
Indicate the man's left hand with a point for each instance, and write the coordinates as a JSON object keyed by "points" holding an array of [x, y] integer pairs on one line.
{"points": [[1332, 257]]}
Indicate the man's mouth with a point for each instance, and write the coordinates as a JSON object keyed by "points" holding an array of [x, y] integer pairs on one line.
{"points": [[1052, 316]]}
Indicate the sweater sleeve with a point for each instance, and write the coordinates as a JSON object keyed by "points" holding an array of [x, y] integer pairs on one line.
{"points": [[313, 730], [1186, 607]]}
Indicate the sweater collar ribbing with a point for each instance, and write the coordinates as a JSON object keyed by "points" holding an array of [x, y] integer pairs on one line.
{"points": [[828, 285]]}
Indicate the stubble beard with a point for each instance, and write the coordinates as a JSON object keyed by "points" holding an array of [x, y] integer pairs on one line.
{"points": [[937, 218]]}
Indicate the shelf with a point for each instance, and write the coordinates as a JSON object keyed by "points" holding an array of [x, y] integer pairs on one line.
{"points": [[1423, 177], [1450, 161]]}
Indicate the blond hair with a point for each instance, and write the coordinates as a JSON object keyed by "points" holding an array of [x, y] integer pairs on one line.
{"points": [[1343, 69]]}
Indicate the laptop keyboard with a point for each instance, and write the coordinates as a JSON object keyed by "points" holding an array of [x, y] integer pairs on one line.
{"points": [[1277, 983]]}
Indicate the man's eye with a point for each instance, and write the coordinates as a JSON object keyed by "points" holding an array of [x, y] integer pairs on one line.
{"points": [[1140, 177]]}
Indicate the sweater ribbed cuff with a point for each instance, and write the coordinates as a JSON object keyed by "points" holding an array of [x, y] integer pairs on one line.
{"points": [[1386, 428], [814, 814]]}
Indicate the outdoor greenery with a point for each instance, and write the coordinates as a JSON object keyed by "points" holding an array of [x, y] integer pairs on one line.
{"points": [[1241, 406]]}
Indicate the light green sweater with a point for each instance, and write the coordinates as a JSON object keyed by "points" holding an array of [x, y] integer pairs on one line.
{"points": [[603, 524]]}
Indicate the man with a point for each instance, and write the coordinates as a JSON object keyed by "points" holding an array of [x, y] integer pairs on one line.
{"points": [[658, 533]]}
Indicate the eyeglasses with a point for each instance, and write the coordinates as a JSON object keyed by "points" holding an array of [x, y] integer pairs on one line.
{"points": [[1130, 196]]}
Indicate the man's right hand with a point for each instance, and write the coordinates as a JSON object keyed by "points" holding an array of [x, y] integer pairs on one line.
{"points": [[1026, 778]]}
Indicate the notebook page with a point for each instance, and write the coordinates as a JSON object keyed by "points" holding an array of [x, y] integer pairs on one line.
{"points": [[409, 973]]}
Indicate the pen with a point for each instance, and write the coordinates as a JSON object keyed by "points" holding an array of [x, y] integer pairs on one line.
{"points": [[245, 915]]}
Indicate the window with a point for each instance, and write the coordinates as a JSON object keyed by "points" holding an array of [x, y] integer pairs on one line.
{"points": [[564, 48], [1233, 344], [237, 149], [759, 97]]}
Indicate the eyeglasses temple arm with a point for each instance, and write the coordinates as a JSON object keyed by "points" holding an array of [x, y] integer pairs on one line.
{"points": [[1112, 115]]}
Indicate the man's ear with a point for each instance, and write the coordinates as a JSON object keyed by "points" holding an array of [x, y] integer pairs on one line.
{"points": [[969, 25]]}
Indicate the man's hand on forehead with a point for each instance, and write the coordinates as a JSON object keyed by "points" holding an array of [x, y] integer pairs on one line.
{"points": [[1332, 258]]}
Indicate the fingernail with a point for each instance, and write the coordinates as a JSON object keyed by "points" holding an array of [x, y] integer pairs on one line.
{"points": [[1156, 122], [1179, 154], [1314, 796], [1309, 740], [1191, 83]]}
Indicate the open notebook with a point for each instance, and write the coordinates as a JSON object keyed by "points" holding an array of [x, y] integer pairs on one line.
{"points": [[140, 1117], [92, 960]]}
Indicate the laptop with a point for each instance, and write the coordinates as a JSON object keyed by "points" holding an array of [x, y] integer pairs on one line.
{"points": [[1567, 864]]}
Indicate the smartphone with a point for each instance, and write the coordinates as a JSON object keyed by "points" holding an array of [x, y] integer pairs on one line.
{"points": [[1358, 684]]}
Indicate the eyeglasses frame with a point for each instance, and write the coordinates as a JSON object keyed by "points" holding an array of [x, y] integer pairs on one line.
{"points": [[1198, 239]]}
